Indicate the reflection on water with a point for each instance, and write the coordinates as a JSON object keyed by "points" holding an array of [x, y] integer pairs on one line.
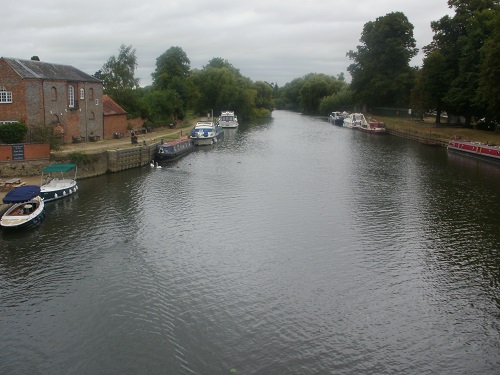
{"points": [[292, 247]]}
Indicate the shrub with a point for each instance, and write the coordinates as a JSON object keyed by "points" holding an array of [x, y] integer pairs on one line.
{"points": [[80, 158], [13, 133]]}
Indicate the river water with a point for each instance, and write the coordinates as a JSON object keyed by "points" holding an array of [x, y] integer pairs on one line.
{"points": [[292, 247]]}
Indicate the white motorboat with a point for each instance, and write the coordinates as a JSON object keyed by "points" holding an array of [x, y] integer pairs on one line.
{"points": [[205, 133], [355, 120], [28, 208], [53, 187], [228, 119]]}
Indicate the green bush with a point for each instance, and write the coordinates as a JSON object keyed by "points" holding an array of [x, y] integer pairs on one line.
{"points": [[81, 158], [13, 133]]}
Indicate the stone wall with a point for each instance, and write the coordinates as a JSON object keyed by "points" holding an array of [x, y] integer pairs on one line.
{"points": [[90, 165]]}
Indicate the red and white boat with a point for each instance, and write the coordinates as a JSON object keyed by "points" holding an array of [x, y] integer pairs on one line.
{"points": [[373, 127], [476, 149]]}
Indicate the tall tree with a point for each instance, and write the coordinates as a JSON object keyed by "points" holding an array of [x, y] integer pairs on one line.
{"points": [[488, 94], [460, 40], [381, 74], [222, 87], [118, 72], [172, 75], [173, 63]]}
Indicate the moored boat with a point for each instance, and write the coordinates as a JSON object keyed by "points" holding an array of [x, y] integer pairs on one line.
{"points": [[28, 208], [228, 119], [206, 133], [373, 127], [337, 118], [354, 120], [476, 149], [53, 187], [170, 151]]}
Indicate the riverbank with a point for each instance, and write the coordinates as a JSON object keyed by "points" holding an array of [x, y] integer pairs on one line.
{"points": [[164, 133], [428, 129]]}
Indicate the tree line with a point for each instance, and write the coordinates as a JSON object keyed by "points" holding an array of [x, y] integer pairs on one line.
{"points": [[459, 75], [176, 88]]}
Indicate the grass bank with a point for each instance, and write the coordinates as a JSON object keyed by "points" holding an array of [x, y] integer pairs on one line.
{"points": [[428, 128]]}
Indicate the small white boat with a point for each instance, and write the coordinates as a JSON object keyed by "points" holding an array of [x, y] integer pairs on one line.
{"points": [[54, 187], [355, 120], [205, 133], [28, 208], [228, 120]]}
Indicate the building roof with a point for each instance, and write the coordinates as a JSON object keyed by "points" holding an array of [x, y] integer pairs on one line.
{"points": [[43, 70], [110, 107]]}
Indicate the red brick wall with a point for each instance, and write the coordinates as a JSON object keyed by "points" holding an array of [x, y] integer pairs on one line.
{"points": [[115, 124], [15, 111], [32, 151]]}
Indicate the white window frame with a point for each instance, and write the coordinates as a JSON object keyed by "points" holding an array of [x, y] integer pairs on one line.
{"points": [[71, 96], [5, 96], [82, 94], [97, 102]]}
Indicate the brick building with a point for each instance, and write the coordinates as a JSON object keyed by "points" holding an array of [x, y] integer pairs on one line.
{"points": [[115, 119], [39, 93]]}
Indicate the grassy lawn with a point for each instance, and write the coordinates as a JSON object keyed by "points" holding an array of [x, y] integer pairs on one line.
{"points": [[428, 128]]}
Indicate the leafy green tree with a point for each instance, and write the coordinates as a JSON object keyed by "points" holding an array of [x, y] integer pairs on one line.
{"points": [[460, 40], [381, 75], [432, 83], [488, 94], [341, 101], [172, 64], [306, 94], [35, 58], [315, 88], [172, 74], [264, 98], [118, 72], [222, 87]]}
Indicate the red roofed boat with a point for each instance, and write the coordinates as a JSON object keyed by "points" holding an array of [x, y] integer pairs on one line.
{"points": [[373, 127], [476, 149]]}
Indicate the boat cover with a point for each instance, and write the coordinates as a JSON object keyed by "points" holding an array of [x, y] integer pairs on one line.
{"points": [[59, 168], [22, 194]]}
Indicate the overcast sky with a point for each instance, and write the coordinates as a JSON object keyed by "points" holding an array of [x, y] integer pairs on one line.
{"points": [[267, 40]]}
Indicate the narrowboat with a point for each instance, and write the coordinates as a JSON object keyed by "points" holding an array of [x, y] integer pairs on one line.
{"points": [[170, 151], [476, 149]]}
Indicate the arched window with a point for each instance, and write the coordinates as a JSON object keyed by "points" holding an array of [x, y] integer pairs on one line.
{"points": [[53, 93], [82, 94], [71, 96], [92, 116], [55, 120], [91, 94]]}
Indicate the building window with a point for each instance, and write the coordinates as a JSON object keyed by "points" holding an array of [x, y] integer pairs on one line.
{"points": [[71, 96], [97, 102], [5, 96], [82, 94], [53, 93], [91, 94], [92, 116]]}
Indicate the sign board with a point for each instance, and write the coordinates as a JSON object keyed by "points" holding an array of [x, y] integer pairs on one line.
{"points": [[18, 152]]}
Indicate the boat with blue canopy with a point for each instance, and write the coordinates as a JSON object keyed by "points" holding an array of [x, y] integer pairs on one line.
{"points": [[28, 208]]}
